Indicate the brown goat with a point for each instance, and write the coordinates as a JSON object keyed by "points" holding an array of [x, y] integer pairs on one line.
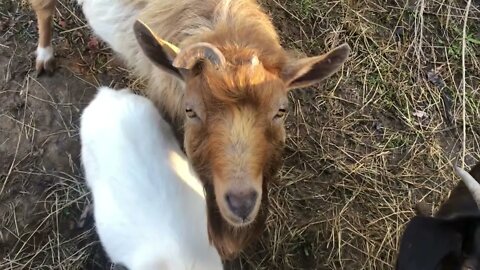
{"points": [[44, 10], [226, 84]]}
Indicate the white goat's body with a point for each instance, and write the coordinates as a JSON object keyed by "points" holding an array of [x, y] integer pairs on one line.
{"points": [[148, 205], [112, 21]]}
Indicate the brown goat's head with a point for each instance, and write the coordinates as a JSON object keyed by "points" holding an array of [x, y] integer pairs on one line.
{"points": [[235, 104]]}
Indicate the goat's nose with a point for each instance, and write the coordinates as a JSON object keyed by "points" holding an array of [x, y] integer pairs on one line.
{"points": [[241, 203]]}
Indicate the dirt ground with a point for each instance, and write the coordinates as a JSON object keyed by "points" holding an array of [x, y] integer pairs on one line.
{"points": [[363, 147]]}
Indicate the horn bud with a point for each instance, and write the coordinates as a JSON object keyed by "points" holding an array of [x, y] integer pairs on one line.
{"points": [[188, 57]]}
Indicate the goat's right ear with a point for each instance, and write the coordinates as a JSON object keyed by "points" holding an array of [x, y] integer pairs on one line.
{"points": [[426, 243], [159, 51], [310, 70]]}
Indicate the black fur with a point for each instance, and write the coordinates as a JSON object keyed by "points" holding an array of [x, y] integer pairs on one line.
{"points": [[450, 240]]}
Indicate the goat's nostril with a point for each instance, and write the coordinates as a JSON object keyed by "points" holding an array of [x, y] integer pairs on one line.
{"points": [[241, 203]]}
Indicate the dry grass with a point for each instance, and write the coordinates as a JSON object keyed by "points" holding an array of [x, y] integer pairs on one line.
{"points": [[362, 149]]}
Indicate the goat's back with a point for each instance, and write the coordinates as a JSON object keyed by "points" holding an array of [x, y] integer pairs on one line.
{"points": [[147, 217]]}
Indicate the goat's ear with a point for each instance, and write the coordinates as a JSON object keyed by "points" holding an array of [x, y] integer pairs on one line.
{"points": [[427, 242], [159, 51], [310, 70]]}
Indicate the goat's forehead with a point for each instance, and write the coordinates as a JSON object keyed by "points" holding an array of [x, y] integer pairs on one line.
{"points": [[245, 92], [249, 113], [228, 119]]}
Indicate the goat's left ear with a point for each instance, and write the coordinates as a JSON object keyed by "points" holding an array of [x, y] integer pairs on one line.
{"points": [[159, 51], [310, 70]]}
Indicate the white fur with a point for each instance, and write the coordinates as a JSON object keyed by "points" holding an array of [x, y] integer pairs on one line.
{"points": [[44, 54], [149, 208], [112, 21]]}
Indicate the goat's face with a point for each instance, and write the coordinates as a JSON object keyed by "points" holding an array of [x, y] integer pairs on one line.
{"points": [[234, 134], [235, 105]]}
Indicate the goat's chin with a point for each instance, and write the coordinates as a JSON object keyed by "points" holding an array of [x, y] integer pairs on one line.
{"points": [[237, 222]]}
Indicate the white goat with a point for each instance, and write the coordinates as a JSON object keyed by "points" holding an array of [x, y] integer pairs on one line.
{"points": [[149, 207]]}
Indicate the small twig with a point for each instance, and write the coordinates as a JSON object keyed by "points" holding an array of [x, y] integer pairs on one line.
{"points": [[464, 45], [419, 33], [17, 147], [73, 29]]}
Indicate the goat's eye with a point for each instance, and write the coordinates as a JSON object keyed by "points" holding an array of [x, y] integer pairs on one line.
{"points": [[281, 113], [190, 113]]}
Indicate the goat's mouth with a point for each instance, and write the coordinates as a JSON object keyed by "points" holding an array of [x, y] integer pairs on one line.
{"points": [[239, 222], [242, 217], [236, 221]]}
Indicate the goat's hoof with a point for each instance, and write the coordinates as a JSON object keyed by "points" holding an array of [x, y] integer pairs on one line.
{"points": [[45, 62], [45, 67]]}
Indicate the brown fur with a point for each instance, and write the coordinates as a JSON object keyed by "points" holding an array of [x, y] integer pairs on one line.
{"points": [[221, 23], [44, 10]]}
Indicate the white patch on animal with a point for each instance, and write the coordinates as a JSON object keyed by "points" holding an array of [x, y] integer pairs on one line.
{"points": [[112, 21], [149, 207], [44, 54], [255, 61]]}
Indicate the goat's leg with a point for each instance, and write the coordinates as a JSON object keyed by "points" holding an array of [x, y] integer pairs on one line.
{"points": [[44, 10]]}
